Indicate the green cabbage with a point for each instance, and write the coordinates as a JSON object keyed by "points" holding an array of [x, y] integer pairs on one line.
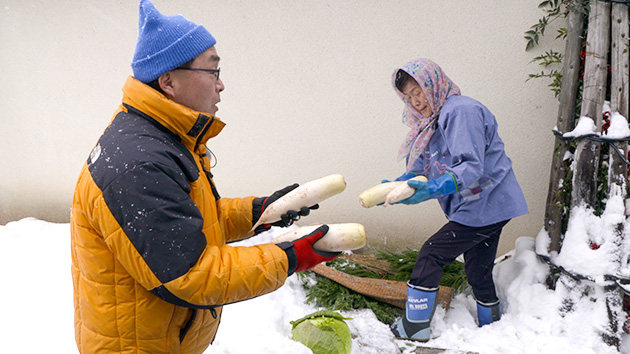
{"points": [[324, 332]]}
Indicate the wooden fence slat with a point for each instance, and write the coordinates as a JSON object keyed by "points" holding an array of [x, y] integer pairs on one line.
{"points": [[565, 123], [619, 92], [618, 170], [593, 94]]}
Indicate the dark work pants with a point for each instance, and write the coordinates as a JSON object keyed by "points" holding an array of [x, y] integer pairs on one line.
{"points": [[479, 246]]}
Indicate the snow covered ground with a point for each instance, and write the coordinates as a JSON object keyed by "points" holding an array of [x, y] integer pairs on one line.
{"points": [[36, 294]]}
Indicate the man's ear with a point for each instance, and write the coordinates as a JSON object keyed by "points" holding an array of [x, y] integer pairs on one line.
{"points": [[166, 84]]}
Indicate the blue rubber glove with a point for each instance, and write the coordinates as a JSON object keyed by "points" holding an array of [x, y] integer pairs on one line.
{"points": [[404, 177], [433, 188]]}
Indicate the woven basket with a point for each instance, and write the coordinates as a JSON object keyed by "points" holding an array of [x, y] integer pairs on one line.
{"points": [[388, 291]]}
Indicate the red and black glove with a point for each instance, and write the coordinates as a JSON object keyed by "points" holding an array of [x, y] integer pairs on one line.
{"points": [[260, 204], [301, 254]]}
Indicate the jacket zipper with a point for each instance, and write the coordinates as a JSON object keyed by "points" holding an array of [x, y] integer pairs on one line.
{"points": [[203, 132], [208, 174], [187, 325], [213, 188]]}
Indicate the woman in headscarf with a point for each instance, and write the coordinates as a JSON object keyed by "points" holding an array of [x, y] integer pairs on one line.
{"points": [[453, 141]]}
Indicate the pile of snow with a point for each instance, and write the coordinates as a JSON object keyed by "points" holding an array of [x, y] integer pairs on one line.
{"points": [[37, 311]]}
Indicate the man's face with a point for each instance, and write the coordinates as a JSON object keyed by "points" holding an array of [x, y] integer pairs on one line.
{"points": [[198, 90]]}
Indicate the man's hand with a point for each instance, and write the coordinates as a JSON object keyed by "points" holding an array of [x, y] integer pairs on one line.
{"points": [[260, 204], [302, 256]]}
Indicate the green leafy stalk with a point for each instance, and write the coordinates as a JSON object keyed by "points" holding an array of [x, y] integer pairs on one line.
{"points": [[550, 60], [553, 9]]}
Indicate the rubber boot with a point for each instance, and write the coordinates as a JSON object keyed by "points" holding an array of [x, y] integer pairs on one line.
{"points": [[488, 312], [416, 324]]}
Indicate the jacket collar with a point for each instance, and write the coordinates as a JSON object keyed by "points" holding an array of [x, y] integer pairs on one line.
{"points": [[193, 127]]}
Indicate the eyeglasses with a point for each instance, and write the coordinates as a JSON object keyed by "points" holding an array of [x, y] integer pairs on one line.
{"points": [[214, 72]]}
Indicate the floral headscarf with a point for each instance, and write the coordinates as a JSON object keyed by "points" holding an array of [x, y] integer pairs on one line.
{"points": [[437, 87]]}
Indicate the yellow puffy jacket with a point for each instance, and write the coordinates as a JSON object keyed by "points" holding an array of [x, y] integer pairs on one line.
{"points": [[150, 264]]}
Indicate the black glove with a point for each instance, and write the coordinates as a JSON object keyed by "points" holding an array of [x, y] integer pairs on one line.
{"points": [[260, 204]]}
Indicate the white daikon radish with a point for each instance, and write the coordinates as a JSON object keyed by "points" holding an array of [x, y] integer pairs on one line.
{"points": [[378, 194], [305, 195], [339, 238], [402, 192]]}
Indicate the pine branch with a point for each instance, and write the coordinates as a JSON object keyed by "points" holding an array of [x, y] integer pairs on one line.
{"points": [[326, 293]]}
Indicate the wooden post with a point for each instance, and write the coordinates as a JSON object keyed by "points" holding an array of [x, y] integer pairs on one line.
{"points": [[618, 170], [593, 94], [565, 123], [619, 92]]}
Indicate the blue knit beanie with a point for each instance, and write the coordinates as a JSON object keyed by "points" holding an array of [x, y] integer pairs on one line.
{"points": [[166, 42]]}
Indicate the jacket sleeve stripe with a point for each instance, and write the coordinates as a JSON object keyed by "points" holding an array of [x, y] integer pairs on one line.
{"points": [[163, 293]]}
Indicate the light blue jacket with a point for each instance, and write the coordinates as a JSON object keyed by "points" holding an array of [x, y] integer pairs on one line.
{"points": [[466, 144]]}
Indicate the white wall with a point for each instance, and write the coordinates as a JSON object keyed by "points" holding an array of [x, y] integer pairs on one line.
{"points": [[307, 94]]}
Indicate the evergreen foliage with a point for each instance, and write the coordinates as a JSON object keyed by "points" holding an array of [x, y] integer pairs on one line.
{"points": [[454, 275], [326, 293], [331, 295]]}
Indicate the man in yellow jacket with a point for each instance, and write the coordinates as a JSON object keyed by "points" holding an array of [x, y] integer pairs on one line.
{"points": [[150, 264]]}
